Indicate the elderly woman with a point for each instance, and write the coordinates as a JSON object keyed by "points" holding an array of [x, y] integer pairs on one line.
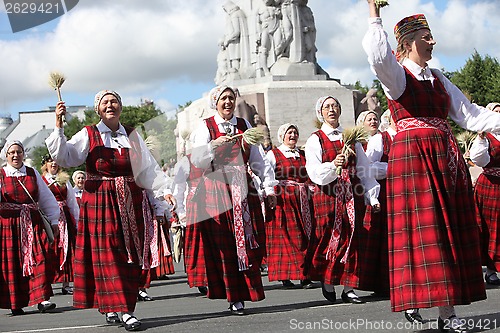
{"points": [[435, 259], [485, 153], [116, 223], [290, 225], [228, 204], [24, 278], [63, 248], [79, 181], [369, 120], [338, 203]]}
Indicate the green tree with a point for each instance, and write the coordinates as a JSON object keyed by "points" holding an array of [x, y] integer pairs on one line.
{"points": [[479, 79]]}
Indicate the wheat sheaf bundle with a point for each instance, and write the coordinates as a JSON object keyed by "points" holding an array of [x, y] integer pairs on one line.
{"points": [[350, 136], [381, 3], [62, 178], [252, 136], [56, 80], [465, 140]]}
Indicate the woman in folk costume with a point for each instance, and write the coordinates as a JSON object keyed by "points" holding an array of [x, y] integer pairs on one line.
{"points": [[369, 120], [186, 180], [24, 245], [228, 204], [159, 248], [79, 181], [434, 253], [63, 248], [338, 204], [376, 256], [116, 222], [485, 152], [289, 225]]}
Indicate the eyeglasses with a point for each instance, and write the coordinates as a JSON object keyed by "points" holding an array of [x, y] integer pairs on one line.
{"points": [[331, 106], [14, 152]]}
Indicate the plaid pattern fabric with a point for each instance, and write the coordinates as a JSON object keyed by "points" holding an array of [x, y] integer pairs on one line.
{"points": [[486, 194], [103, 277], [66, 274], [194, 258], [166, 262], [318, 267], [434, 255], [16, 290], [286, 237], [225, 281], [374, 256]]}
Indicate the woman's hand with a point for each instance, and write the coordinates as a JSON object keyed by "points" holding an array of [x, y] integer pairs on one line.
{"points": [[170, 199], [60, 112], [222, 140], [376, 208], [374, 9], [339, 160]]}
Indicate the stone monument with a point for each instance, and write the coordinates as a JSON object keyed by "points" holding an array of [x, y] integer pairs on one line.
{"points": [[268, 52]]}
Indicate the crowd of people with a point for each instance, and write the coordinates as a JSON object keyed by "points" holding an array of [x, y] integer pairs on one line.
{"points": [[392, 211]]}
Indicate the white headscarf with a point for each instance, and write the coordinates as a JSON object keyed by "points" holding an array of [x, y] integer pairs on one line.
{"points": [[282, 130], [362, 116], [215, 93], [492, 105], [101, 94], [6, 147], [385, 120], [76, 173], [319, 107]]}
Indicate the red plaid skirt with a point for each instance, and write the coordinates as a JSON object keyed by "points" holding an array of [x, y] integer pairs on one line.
{"points": [[318, 267], [487, 192], [373, 251], [18, 291], [286, 237], [434, 255], [66, 274], [225, 281]]}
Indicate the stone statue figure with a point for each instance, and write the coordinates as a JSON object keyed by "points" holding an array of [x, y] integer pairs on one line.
{"points": [[236, 41], [269, 37], [243, 109], [370, 102], [221, 76], [260, 123], [308, 30]]}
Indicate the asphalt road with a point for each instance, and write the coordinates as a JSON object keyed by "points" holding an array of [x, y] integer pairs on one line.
{"points": [[177, 308]]}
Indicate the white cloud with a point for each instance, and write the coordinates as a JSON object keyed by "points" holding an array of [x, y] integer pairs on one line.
{"points": [[143, 48]]}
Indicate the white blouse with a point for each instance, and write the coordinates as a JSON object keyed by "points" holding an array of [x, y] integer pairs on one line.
{"points": [[72, 153], [202, 152], [286, 151], [392, 76], [374, 152], [74, 209], [325, 173], [479, 151], [46, 200]]}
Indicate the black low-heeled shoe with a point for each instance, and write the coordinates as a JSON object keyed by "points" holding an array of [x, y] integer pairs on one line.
{"points": [[67, 290], [351, 299], [413, 317], [145, 297], [307, 284], [287, 284], [488, 280], [46, 307], [132, 325], [112, 318], [329, 295], [203, 290], [445, 326], [17, 312], [236, 311]]}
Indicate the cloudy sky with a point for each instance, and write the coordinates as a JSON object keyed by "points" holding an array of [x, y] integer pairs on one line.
{"points": [[166, 50]]}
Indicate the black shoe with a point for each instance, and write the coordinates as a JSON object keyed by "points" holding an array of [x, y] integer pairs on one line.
{"points": [[144, 297], [287, 284], [67, 290], [203, 290], [132, 325], [17, 312], [236, 311], [307, 284], [445, 326], [112, 318], [329, 295], [353, 298], [46, 307], [488, 279], [413, 317]]}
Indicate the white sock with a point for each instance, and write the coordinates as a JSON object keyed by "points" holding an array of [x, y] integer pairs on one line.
{"points": [[45, 302], [491, 274], [446, 312], [412, 311], [329, 287], [126, 316], [236, 305]]}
